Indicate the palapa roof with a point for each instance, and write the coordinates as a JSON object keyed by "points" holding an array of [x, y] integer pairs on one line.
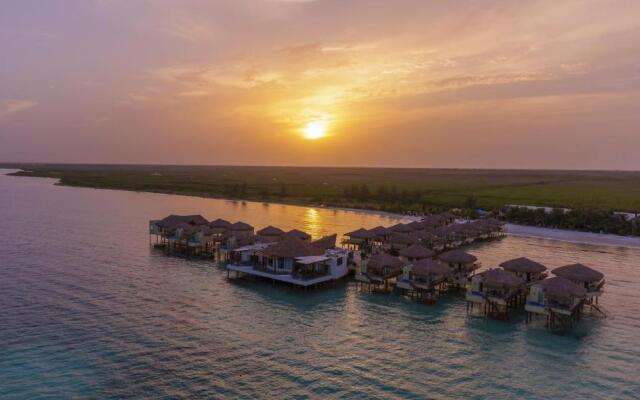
{"points": [[523, 265], [326, 243], [457, 257], [300, 234], [270, 231], [381, 231], [360, 234], [241, 226], [427, 266], [561, 287], [172, 221], [220, 223], [417, 251], [579, 273], [402, 238], [500, 278], [379, 262], [401, 228], [291, 246]]}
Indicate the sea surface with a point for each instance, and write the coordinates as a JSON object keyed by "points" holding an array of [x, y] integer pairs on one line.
{"points": [[89, 310]]}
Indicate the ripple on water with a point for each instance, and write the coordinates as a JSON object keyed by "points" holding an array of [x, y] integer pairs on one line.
{"points": [[88, 310]]}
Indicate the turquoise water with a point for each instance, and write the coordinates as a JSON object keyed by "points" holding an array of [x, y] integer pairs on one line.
{"points": [[88, 310]]}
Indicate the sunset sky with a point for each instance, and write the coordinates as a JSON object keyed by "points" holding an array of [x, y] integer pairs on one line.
{"points": [[486, 84]]}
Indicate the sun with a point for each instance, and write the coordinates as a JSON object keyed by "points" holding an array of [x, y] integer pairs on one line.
{"points": [[315, 130]]}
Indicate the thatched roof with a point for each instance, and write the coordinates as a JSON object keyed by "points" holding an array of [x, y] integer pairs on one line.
{"points": [[270, 231], [402, 238], [300, 234], [381, 231], [360, 234], [384, 264], [220, 223], [561, 287], [241, 226], [457, 257], [172, 221], [427, 266], [291, 246], [500, 278], [325, 243], [401, 228], [578, 273], [523, 265], [417, 251]]}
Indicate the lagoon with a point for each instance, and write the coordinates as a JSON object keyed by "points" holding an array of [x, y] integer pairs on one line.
{"points": [[89, 310]]}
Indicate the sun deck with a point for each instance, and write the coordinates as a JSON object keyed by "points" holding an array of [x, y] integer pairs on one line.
{"points": [[286, 278]]}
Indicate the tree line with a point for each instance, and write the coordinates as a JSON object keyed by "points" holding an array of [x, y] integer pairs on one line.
{"points": [[588, 220]]}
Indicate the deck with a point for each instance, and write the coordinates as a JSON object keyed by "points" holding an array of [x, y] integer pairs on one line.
{"points": [[249, 270]]}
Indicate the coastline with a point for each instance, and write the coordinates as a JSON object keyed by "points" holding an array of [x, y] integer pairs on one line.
{"points": [[9, 172], [512, 229], [597, 239]]}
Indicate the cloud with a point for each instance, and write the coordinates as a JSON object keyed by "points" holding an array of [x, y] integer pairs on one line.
{"points": [[13, 106]]}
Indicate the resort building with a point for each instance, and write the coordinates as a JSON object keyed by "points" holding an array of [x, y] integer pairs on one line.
{"points": [[300, 235], [241, 230], [415, 252], [495, 291], [424, 279], [269, 234], [359, 240], [220, 226], [525, 269], [462, 265], [381, 235], [291, 260], [378, 271], [558, 299], [590, 279]]}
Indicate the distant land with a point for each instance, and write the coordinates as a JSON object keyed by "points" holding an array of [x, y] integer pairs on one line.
{"points": [[387, 189]]}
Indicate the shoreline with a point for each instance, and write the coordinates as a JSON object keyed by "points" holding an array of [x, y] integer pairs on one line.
{"points": [[292, 204], [570, 236], [578, 237]]}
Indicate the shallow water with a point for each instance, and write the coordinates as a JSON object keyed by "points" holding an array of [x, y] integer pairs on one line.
{"points": [[88, 310]]}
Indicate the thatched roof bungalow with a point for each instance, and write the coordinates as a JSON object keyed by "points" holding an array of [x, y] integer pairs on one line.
{"points": [[525, 268], [590, 279]]}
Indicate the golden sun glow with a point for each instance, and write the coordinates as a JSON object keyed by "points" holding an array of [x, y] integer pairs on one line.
{"points": [[315, 130]]}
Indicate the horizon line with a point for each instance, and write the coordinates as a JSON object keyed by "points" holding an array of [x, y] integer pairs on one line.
{"points": [[313, 166]]}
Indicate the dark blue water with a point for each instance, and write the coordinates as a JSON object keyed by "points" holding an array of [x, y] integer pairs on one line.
{"points": [[88, 310]]}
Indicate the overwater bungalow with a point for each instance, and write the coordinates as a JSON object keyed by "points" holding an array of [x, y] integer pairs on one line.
{"points": [[170, 223], [200, 240], [242, 230], [558, 299], [462, 265], [588, 278], [399, 241], [381, 235], [220, 226], [378, 271], [269, 234], [359, 240], [525, 269], [291, 260], [300, 234], [401, 228], [495, 291], [415, 252], [424, 279]]}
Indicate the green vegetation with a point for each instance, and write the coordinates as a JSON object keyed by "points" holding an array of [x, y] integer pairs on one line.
{"points": [[387, 189]]}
